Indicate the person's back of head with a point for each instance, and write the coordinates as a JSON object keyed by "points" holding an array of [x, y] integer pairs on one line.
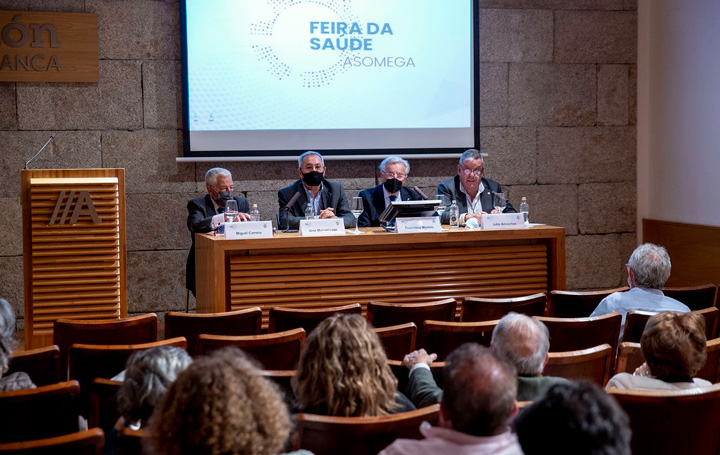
{"points": [[522, 341], [674, 345], [479, 391], [576, 417], [7, 335], [650, 265], [221, 404]]}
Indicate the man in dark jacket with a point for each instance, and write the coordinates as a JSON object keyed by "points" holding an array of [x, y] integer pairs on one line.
{"points": [[393, 172]]}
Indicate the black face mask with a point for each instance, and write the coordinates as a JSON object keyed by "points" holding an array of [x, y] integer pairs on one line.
{"points": [[313, 178], [223, 196], [392, 185]]}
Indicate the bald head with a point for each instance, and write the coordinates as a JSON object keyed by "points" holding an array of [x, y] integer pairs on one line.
{"points": [[523, 342]]}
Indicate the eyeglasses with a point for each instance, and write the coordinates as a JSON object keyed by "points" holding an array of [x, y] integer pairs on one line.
{"points": [[317, 167], [392, 175], [475, 172]]}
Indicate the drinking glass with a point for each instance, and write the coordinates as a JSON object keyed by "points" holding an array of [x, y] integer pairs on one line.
{"points": [[443, 203], [357, 209], [231, 210], [499, 201]]}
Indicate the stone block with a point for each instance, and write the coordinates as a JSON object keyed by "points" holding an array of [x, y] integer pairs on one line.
{"points": [[586, 155], [267, 204], [70, 149], [605, 208], [628, 243], [553, 95], [493, 94], [632, 95], [8, 106], [11, 285], [516, 35], [148, 157], [612, 97], [11, 227], [596, 36], [512, 154], [150, 228], [593, 261], [554, 4], [631, 4], [555, 205], [65, 6], [137, 29], [156, 281], [162, 94], [437, 169], [113, 103]]}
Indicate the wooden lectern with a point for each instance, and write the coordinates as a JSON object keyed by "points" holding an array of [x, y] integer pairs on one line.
{"points": [[73, 248]]}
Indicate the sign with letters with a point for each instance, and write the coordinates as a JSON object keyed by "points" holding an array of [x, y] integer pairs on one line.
{"points": [[502, 221], [416, 225], [82, 204], [249, 230], [322, 227], [48, 47]]}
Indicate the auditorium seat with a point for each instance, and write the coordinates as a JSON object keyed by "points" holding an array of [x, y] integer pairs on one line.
{"points": [[189, 325], [569, 304], [398, 340], [673, 422], [42, 365], [274, 351], [384, 314], [572, 334], [283, 379], [129, 442], [475, 309], [138, 329], [442, 338], [103, 404], [284, 318], [695, 297], [594, 364], [90, 442], [635, 322], [401, 373], [44, 412], [326, 435]]}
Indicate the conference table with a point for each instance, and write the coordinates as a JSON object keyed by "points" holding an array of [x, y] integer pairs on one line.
{"points": [[291, 270]]}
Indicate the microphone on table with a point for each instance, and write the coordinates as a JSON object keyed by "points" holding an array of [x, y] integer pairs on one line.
{"points": [[290, 203], [52, 136], [420, 192]]}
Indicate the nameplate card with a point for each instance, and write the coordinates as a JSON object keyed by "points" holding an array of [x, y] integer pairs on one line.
{"points": [[322, 227], [249, 230], [502, 221], [416, 225]]}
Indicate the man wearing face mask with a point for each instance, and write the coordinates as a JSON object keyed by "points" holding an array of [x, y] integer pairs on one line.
{"points": [[326, 198], [205, 214], [393, 173]]}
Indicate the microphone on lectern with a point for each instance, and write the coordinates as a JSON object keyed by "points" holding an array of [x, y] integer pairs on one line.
{"points": [[52, 136]]}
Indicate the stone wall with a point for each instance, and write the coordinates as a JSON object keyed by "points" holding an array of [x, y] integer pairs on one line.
{"points": [[558, 114]]}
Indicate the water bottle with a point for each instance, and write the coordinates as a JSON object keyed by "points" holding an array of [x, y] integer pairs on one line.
{"points": [[254, 213], [525, 210], [454, 215], [309, 211]]}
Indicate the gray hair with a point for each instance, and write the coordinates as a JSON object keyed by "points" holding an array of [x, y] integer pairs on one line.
{"points": [[211, 175], [650, 265], [8, 343], [148, 375], [308, 153], [472, 154], [522, 341], [392, 160]]}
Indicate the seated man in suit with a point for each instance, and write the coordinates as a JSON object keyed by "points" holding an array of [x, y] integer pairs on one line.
{"points": [[393, 172], [472, 192], [327, 198], [205, 214]]}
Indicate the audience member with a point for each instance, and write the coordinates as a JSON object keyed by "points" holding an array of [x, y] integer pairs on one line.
{"points": [[475, 410], [574, 418], [17, 380], [518, 339], [343, 371], [674, 347]]}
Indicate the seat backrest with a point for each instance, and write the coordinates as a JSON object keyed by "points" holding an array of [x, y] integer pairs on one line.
{"points": [[189, 325], [44, 412], [284, 318], [90, 361], [90, 442], [401, 373], [476, 309], [42, 365], [384, 314], [573, 334], [709, 371], [635, 322], [442, 338], [594, 364], [695, 297], [275, 351], [283, 379], [129, 442], [324, 435], [135, 330], [683, 421], [398, 340], [103, 404], [569, 304]]}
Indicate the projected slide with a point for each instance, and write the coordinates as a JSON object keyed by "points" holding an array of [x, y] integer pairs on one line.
{"points": [[320, 74]]}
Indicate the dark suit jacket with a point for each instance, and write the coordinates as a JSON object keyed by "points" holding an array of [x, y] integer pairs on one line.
{"points": [[200, 213], [374, 204], [451, 188], [332, 195]]}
